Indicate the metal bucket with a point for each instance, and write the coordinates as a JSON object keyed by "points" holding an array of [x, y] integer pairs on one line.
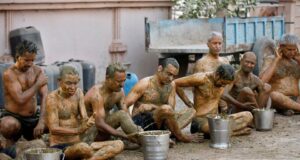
{"points": [[155, 144], [220, 131], [263, 119], [44, 154]]}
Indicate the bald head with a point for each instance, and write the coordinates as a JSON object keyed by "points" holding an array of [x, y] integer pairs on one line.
{"points": [[248, 62], [249, 55]]}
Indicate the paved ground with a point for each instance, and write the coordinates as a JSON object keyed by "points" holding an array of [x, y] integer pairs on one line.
{"points": [[280, 143]]}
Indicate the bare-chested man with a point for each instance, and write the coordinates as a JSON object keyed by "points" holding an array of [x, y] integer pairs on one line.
{"points": [[67, 119], [208, 89], [208, 63], [154, 102], [102, 99], [282, 72], [247, 91], [22, 81]]}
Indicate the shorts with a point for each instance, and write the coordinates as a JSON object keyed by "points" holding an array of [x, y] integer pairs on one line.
{"points": [[197, 124], [27, 123], [146, 121]]}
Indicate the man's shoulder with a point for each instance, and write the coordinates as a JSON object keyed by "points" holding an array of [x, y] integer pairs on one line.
{"points": [[53, 94]]}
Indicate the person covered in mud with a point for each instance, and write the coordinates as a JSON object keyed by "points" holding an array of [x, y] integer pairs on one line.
{"points": [[208, 90], [247, 91], [282, 72], [154, 103], [104, 98], [208, 63], [67, 119], [22, 81]]}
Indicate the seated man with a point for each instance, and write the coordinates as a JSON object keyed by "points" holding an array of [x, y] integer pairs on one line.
{"points": [[22, 81], [67, 119], [247, 91], [208, 89], [102, 99], [154, 102], [282, 72]]}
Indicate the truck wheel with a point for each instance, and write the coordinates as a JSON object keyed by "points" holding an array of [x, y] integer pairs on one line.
{"points": [[262, 48], [183, 61]]}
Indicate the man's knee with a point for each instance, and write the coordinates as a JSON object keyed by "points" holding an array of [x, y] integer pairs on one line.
{"points": [[122, 115], [247, 91], [267, 88], [275, 95], [166, 109], [247, 116], [10, 127], [118, 146]]}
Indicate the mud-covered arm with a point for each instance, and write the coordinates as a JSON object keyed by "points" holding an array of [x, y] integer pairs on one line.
{"points": [[228, 98], [121, 104], [52, 119], [269, 67], [82, 109], [40, 127], [14, 88], [98, 108], [136, 92], [172, 97], [180, 92], [191, 80]]}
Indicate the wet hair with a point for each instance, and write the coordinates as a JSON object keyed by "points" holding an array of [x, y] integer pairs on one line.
{"points": [[164, 63], [65, 70], [289, 39], [25, 46], [225, 72], [114, 67], [214, 34]]}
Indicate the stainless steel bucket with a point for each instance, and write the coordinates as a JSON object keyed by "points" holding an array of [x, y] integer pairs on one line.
{"points": [[263, 119], [155, 144], [43, 154], [220, 131]]}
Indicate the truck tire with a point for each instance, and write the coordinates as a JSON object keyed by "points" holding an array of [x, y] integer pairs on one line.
{"points": [[262, 48]]}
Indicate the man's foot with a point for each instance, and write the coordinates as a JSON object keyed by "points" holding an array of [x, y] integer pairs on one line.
{"points": [[172, 143], [286, 112], [130, 146], [195, 138]]}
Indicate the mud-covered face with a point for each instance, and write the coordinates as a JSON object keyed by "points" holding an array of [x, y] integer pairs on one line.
{"points": [[289, 50], [69, 84], [167, 74], [248, 63], [25, 61], [219, 82], [215, 45], [117, 82]]}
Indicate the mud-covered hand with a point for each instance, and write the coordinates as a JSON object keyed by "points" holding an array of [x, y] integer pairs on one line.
{"points": [[278, 53], [249, 106], [91, 120], [39, 130]]}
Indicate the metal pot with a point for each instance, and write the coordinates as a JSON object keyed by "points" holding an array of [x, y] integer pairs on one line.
{"points": [[155, 144], [43, 154], [220, 131], [263, 119]]}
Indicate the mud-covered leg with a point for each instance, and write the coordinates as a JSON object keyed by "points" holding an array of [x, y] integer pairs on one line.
{"points": [[184, 117], [281, 101], [78, 151], [123, 119], [240, 121], [107, 149]]}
